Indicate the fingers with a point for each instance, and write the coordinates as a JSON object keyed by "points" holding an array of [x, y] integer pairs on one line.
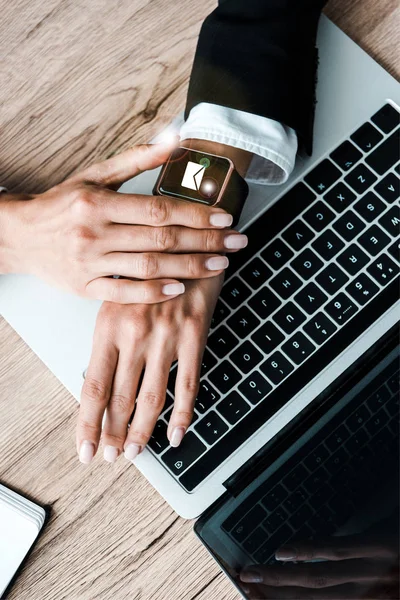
{"points": [[124, 291], [340, 592], [158, 211], [122, 401], [151, 399], [155, 265], [118, 169], [316, 575], [140, 238], [186, 386], [95, 395], [338, 548]]}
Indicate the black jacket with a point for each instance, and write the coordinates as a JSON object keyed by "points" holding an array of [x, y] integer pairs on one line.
{"points": [[259, 56]]}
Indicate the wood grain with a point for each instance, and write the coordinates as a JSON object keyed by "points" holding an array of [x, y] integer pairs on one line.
{"points": [[81, 80]]}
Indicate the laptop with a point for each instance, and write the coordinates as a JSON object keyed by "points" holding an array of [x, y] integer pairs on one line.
{"points": [[316, 288]]}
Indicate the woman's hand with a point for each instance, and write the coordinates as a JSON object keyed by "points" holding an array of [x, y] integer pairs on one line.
{"points": [[133, 338], [357, 567], [79, 233]]}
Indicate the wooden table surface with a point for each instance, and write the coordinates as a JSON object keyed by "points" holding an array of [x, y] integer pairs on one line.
{"points": [[81, 80]]}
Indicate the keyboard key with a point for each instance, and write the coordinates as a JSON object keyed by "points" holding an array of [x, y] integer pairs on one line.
{"points": [[362, 289], [391, 221], [386, 155], [319, 216], [207, 396], [225, 376], [211, 427], [310, 298], [243, 322], [366, 137], [358, 418], [246, 357], [376, 422], [298, 348], [222, 341], [285, 283], [233, 408], [307, 264], [234, 292], [295, 500], [389, 188], [220, 313], [337, 438], [378, 399], [394, 250], [340, 197], [276, 367], [277, 254], [316, 458], [274, 497], [374, 240], [159, 441], [275, 520], [255, 273], [301, 516], [179, 459], [346, 155], [320, 328], [298, 235], [331, 279], [295, 477], [335, 462], [349, 225], [370, 206], [387, 118], [383, 269], [341, 308], [323, 176], [249, 523], [353, 259], [269, 548], [207, 362], [254, 541], [289, 317], [356, 441], [316, 481], [255, 387], [268, 337], [264, 303], [360, 179], [328, 244]]}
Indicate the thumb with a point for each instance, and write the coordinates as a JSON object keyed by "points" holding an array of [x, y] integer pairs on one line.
{"points": [[118, 169]]}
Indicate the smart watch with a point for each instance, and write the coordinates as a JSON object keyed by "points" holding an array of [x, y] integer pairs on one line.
{"points": [[202, 177]]}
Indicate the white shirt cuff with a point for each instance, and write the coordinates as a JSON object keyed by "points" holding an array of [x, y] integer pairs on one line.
{"points": [[274, 145]]}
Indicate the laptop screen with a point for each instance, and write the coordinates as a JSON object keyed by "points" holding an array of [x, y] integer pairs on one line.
{"points": [[322, 519]]}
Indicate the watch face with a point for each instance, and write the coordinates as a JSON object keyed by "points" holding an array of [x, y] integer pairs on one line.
{"points": [[194, 175]]}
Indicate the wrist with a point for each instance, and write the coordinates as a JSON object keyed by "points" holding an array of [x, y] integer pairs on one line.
{"points": [[240, 158], [11, 240]]}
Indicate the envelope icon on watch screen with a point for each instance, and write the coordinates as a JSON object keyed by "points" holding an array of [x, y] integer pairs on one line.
{"points": [[193, 176]]}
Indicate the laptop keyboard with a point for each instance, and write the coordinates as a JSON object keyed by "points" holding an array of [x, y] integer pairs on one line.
{"points": [[321, 486], [322, 264]]}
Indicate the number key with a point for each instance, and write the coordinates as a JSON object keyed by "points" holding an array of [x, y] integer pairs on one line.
{"points": [[383, 269], [362, 289], [341, 308], [320, 328], [298, 348], [255, 387], [233, 408], [276, 367]]}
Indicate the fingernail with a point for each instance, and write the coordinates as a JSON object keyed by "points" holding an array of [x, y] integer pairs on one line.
{"points": [[236, 241], [172, 289], [86, 452], [110, 454], [285, 554], [216, 263], [177, 436], [132, 451], [221, 219], [251, 576]]}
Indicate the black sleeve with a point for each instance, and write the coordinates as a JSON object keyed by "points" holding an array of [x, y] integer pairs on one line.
{"points": [[259, 56]]}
